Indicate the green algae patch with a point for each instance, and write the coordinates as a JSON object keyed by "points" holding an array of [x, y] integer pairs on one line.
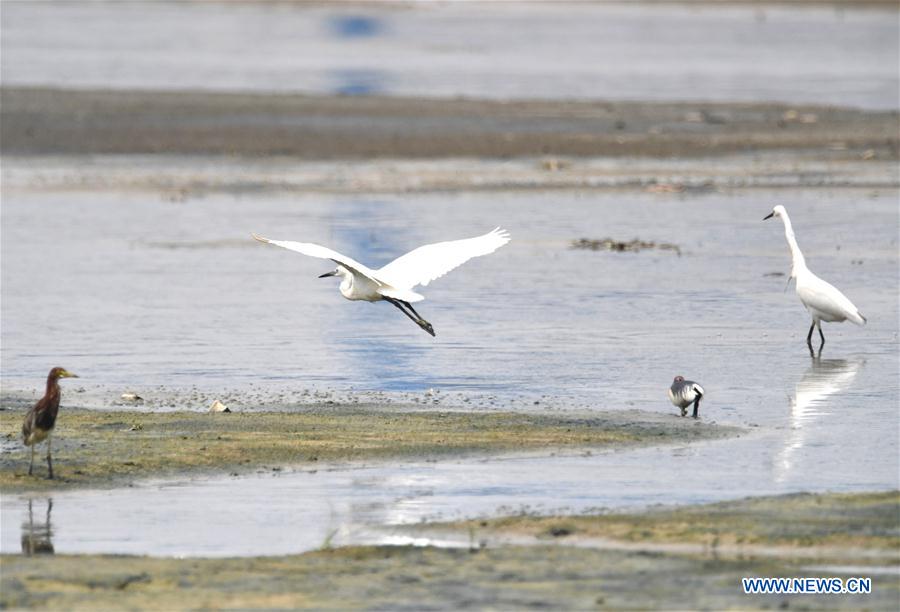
{"points": [[94, 448], [863, 521]]}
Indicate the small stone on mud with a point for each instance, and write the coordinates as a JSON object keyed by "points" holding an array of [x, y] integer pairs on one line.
{"points": [[558, 532]]}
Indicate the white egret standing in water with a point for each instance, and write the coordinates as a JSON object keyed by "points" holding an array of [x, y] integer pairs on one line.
{"points": [[823, 301], [394, 282]]}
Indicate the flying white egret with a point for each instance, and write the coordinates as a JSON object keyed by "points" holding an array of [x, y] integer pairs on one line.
{"points": [[683, 393], [823, 301], [394, 282]]}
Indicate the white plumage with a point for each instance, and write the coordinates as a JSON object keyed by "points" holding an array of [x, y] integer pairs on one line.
{"points": [[822, 300], [395, 281]]}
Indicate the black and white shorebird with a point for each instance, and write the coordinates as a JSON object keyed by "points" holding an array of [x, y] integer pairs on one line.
{"points": [[683, 393], [394, 282], [41, 418]]}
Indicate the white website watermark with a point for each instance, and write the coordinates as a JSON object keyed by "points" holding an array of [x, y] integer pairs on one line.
{"points": [[817, 586]]}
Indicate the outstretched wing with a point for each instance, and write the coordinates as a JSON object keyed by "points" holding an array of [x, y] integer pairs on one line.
{"points": [[423, 265], [315, 250]]}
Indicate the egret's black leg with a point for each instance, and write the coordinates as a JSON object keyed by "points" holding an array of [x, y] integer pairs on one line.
{"points": [[403, 310], [697, 406], [411, 309], [821, 335], [422, 322], [809, 335], [416, 319]]}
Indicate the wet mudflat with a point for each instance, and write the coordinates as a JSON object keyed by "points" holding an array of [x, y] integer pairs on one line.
{"points": [[513, 576], [52, 121], [860, 526], [109, 449]]}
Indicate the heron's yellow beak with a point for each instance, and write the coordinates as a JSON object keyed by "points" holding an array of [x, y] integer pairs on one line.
{"points": [[67, 374]]}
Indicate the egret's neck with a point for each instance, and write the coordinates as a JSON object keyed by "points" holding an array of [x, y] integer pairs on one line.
{"points": [[799, 263], [346, 283]]}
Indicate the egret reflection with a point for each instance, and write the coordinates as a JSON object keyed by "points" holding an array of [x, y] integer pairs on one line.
{"points": [[37, 537], [824, 378]]}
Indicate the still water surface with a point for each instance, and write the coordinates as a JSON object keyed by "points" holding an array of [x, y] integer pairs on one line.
{"points": [[134, 291], [610, 51]]}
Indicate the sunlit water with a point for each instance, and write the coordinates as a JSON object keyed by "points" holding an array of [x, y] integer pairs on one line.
{"points": [[134, 291], [623, 51]]}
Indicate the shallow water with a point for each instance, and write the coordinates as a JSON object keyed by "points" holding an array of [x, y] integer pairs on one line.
{"points": [[371, 505], [135, 291], [618, 51]]}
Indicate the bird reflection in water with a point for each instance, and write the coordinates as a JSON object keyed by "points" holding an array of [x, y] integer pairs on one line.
{"points": [[37, 537], [824, 378]]}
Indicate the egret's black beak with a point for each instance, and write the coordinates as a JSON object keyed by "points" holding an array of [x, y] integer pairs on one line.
{"points": [[327, 274], [769, 216]]}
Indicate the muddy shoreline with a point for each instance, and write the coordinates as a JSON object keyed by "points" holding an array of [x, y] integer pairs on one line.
{"points": [[45, 121], [543, 574], [102, 449]]}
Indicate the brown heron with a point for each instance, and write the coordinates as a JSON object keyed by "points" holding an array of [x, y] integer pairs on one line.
{"points": [[41, 418]]}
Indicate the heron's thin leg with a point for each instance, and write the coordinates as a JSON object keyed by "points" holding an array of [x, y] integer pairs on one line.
{"points": [[696, 407], [821, 335], [28, 540], [49, 460], [31, 465], [809, 335]]}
